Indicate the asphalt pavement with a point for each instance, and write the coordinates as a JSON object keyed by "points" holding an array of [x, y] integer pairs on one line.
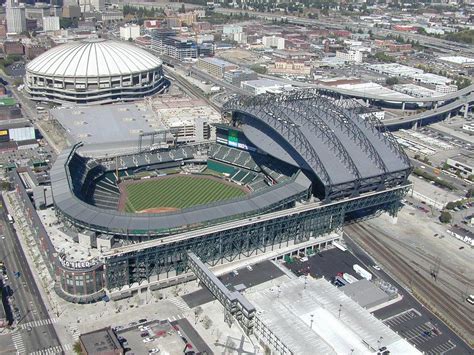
{"points": [[33, 327]]}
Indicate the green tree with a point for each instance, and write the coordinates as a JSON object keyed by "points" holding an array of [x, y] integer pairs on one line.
{"points": [[445, 217], [450, 205], [260, 69], [391, 80], [470, 192], [77, 348]]}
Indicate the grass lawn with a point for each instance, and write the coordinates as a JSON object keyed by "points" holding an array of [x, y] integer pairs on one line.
{"points": [[177, 192]]}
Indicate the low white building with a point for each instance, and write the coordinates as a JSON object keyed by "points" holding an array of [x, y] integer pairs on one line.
{"points": [[261, 86], [273, 42], [231, 29], [350, 56], [462, 164], [129, 31], [446, 89], [51, 23], [468, 127]]}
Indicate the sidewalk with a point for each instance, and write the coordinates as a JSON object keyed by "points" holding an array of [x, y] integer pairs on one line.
{"points": [[35, 261]]}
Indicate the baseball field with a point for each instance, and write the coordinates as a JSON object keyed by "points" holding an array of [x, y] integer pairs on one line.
{"points": [[175, 192]]}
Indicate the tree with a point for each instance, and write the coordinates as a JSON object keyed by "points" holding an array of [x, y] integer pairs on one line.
{"points": [[470, 192], [391, 81], [197, 312], [450, 205], [260, 69], [77, 348], [445, 217], [206, 322]]}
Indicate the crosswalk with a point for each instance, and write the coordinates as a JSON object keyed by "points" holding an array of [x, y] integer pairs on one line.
{"points": [[176, 317], [49, 351], [39, 323], [18, 343], [179, 302]]}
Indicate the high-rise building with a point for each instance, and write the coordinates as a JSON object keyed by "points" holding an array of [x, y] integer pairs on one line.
{"points": [[129, 31], [51, 23], [16, 19]]}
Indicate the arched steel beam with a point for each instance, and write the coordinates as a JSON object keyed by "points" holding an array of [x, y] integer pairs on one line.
{"points": [[323, 131], [261, 110], [342, 120], [372, 122]]}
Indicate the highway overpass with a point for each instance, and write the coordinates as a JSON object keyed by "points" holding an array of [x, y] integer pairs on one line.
{"points": [[431, 116]]}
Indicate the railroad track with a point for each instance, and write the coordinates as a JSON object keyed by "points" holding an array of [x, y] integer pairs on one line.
{"points": [[444, 269], [442, 302]]}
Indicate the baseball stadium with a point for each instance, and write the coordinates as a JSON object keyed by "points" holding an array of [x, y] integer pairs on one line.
{"points": [[284, 169]]}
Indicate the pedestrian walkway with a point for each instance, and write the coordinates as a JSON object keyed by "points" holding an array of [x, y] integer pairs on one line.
{"points": [[179, 302], [176, 317], [39, 323], [49, 351], [18, 343]]}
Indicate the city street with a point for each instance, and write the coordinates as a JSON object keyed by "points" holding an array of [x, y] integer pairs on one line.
{"points": [[33, 330]]}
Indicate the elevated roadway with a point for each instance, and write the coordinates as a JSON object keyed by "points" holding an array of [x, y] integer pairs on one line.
{"points": [[431, 116]]}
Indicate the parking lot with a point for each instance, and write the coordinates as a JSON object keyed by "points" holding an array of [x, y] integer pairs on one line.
{"points": [[161, 337], [16, 69], [326, 264]]}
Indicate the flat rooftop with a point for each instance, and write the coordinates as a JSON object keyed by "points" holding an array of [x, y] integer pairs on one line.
{"points": [[218, 62], [101, 341], [375, 89], [320, 319], [117, 128]]}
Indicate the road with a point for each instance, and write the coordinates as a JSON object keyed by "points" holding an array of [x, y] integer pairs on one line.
{"points": [[34, 337], [459, 184]]}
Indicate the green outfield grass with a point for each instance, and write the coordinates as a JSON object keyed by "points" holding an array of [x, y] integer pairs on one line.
{"points": [[177, 192]]}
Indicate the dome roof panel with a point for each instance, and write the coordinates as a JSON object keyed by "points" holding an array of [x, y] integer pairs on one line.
{"points": [[93, 57]]}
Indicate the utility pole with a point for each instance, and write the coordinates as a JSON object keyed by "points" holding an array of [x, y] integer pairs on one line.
{"points": [[434, 270]]}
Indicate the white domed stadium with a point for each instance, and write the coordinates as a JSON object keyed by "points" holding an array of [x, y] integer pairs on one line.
{"points": [[94, 71]]}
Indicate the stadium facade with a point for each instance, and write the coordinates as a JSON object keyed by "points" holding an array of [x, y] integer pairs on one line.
{"points": [[94, 71], [311, 165]]}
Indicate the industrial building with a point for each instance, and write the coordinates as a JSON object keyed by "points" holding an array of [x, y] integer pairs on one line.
{"points": [[304, 173], [94, 71]]}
